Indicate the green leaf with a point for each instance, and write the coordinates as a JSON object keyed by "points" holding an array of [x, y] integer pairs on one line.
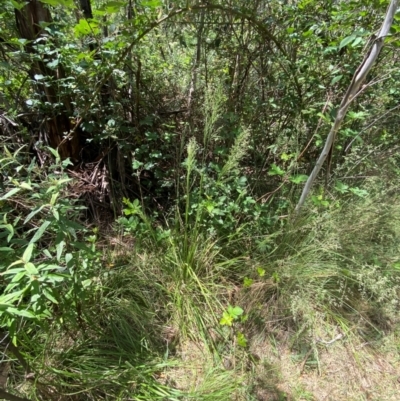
{"points": [[54, 198], [49, 295], [247, 282], [347, 41], [336, 79], [10, 229], [33, 212], [341, 187], [261, 271], [151, 3], [26, 257], [241, 340], [235, 312], [59, 248], [56, 277], [226, 320], [298, 179], [53, 64], [31, 269], [362, 193], [6, 249], [11, 298], [18, 276], [112, 6], [68, 258], [54, 152], [85, 27], [22, 313], [19, 5], [13, 271], [356, 42], [275, 170], [55, 214], [40, 231], [55, 3], [47, 253], [26, 185], [4, 307], [10, 193]]}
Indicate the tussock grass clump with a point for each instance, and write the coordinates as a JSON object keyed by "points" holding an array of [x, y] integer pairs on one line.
{"points": [[338, 266]]}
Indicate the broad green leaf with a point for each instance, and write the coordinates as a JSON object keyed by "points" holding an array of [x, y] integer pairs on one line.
{"points": [[47, 253], [54, 199], [347, 41], [6, 249], [49, 295], [85, 27], [53, 64], [4, 307], [362, 193], [151, 3], [261, 271], [59, 248], [18, 277], [56, 277], [235, 312], [31, 269], [26, 257], [22, 313], [226, 320], [297, 179], [68, 258], [55, 214], [356, 42], [112, 6], [45, 267], [25, 185], [285, 156], [63, 181], [10, 193], [54, 152], [341, 187], [19, 5], [9, 228], [87, 283], [275, 170], [55, 3], [336, 79], [40, 231], [10, 287], [241, 340], [247, 282], [10, 298]]}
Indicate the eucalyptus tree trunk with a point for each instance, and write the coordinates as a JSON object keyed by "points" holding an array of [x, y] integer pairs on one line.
{"points": [[57, 126], [352, 92]]}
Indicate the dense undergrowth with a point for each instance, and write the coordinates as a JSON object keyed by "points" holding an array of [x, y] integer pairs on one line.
{"points": [[94, 315], [152, 157]]}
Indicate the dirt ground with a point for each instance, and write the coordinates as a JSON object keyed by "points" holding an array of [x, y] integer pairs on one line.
{"points": [[339, 371]]}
